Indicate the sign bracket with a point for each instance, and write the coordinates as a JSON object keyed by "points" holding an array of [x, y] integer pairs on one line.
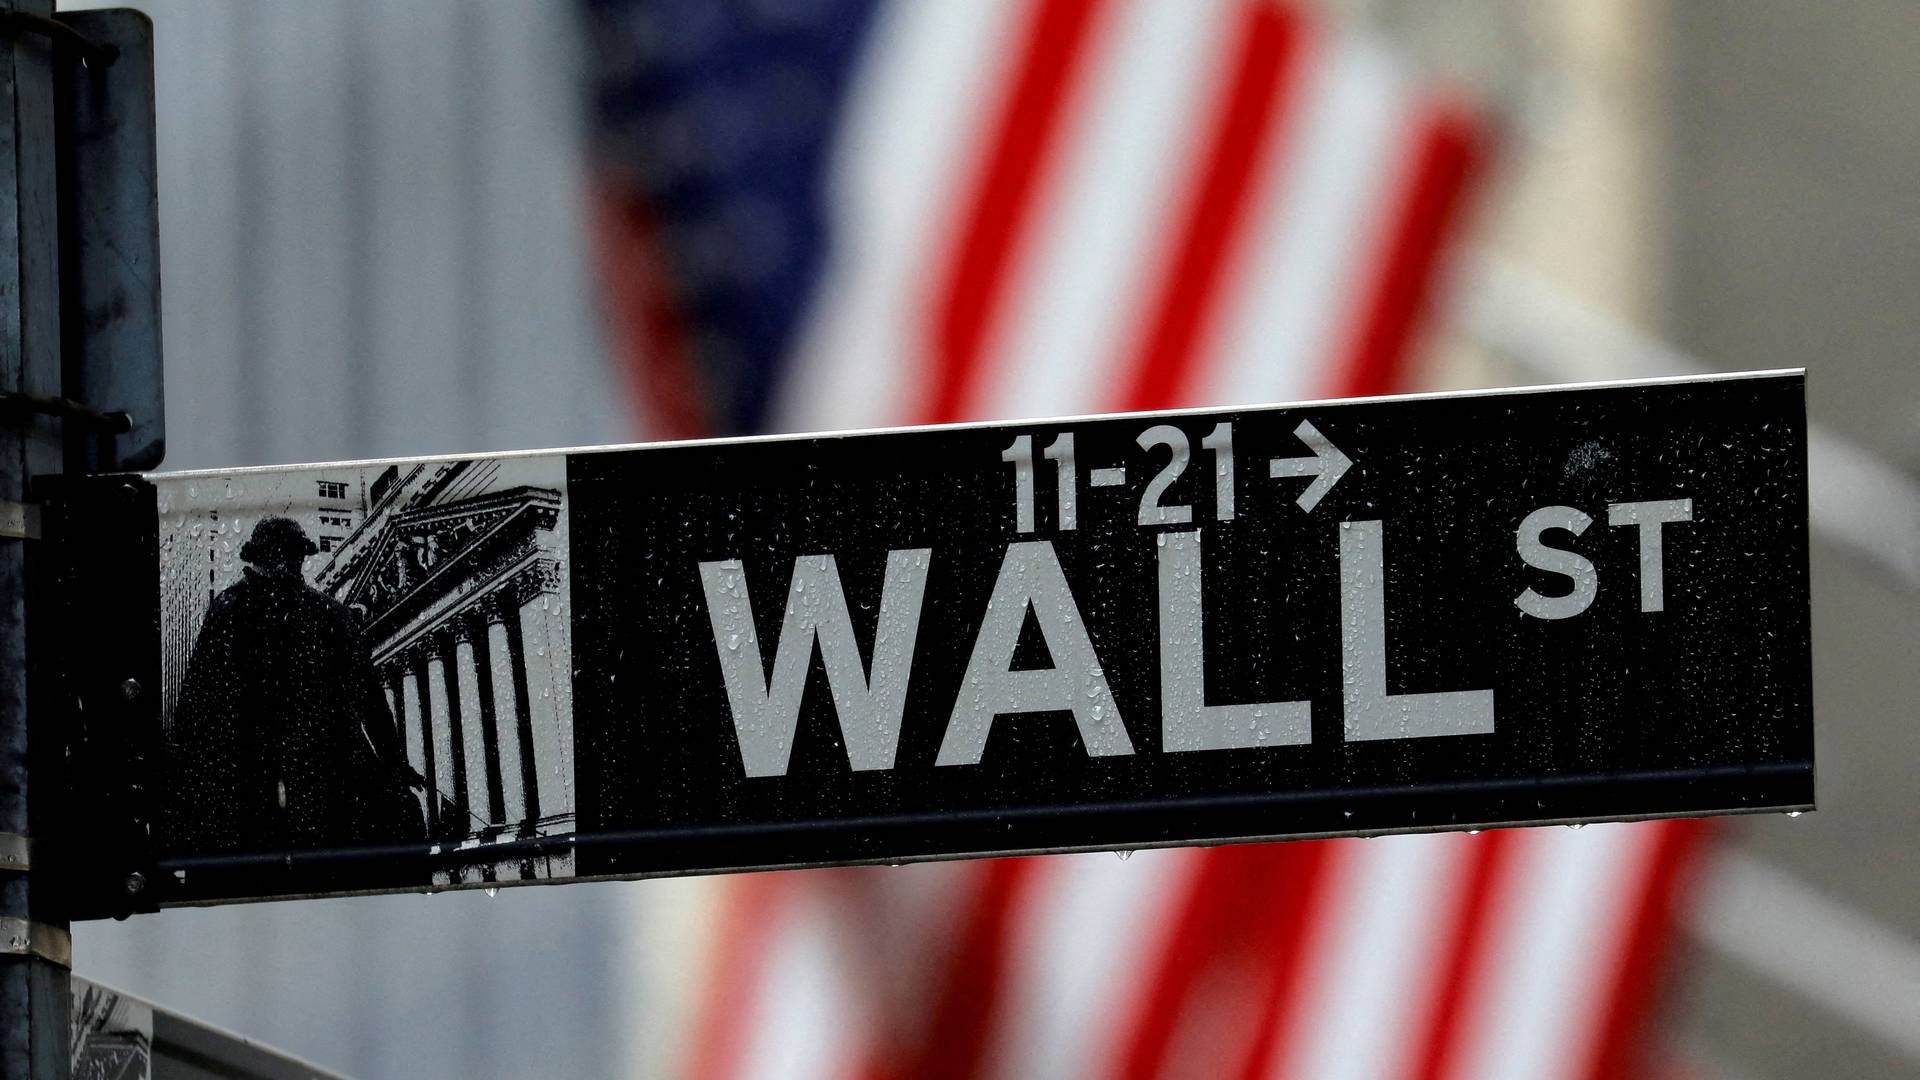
{"points": [[99, 706], [19, 521], [60, 31], [16, 853], [24, 937], [109, 226], [19, 409]]}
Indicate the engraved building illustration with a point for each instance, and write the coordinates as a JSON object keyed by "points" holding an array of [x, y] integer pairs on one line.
{"points": [[456, 570]]}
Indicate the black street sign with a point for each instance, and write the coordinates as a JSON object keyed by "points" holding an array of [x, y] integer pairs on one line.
{"points": [[1334, 618]]}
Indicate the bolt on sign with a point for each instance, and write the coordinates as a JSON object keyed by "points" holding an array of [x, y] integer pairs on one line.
{"points": [[1443, 611]]}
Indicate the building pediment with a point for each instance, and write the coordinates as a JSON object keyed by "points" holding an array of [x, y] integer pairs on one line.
{"points": [[423, 551]]}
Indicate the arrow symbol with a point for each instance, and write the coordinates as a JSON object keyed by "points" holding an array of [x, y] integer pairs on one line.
{"points": [[1326, 466]]}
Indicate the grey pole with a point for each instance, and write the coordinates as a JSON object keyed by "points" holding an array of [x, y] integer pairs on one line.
{"points": [[37, 950]]}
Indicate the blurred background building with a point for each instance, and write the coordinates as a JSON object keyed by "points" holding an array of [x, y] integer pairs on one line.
{"points": [[376, 241]]}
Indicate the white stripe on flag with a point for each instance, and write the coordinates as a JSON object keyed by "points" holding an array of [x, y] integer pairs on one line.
{"points": [[912, 123], [1559, 925], [1292, 302], [1372, 967], [1078, 946], [1133, 141], [800, 1019]]}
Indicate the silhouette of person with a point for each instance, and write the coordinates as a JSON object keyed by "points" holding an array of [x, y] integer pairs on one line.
{"points": [[282, 738]]}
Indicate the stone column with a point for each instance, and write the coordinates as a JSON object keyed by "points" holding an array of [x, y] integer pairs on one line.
{"points": [[393, 682], [420, 705], [507, 710], [479, 664], [447, 749], [544, 644], [530, 779], [473, 723]]}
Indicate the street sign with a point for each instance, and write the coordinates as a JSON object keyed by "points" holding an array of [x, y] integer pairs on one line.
{"points": [[1333, 618]]}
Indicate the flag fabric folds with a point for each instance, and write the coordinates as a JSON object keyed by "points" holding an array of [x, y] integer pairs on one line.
{"points": [[835, 215]]}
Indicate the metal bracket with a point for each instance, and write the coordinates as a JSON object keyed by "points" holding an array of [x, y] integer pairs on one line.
{"points": [[24, 937], [57, 31], [109, 245], [19, 521], [18, 409], [100, 721], [16, 853]]}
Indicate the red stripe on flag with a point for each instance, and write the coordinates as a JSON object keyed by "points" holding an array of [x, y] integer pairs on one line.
{"points": [[637, 294], [999, 212], [736, 984], [967, 1006], [1300, 916], [1239, 931], [1267, 45], [1449, 149], [1622, 1046], [1462, 954]]}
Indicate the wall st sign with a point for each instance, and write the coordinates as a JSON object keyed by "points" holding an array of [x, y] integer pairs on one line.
{"points": [[1430, 612]]}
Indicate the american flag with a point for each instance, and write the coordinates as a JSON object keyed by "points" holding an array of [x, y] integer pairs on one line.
{"points": [[847, 214]]}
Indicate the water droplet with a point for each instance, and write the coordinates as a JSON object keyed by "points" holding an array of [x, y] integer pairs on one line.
{"points": [[492, 892], [1124, 854], [1794, 813]]}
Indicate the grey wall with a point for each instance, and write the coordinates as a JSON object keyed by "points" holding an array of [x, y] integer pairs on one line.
{"points": [[372, 245], [1794, 239], [371, 231]]}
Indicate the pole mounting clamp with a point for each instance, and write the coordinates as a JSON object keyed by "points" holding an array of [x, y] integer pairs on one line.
{"points": [[58, 31], [24, 937], [16, 853], [19, 521]]}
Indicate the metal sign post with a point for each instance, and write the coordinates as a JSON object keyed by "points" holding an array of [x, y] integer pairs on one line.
{"points": [[79, 392], [34, 949], [1333, 618]]}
